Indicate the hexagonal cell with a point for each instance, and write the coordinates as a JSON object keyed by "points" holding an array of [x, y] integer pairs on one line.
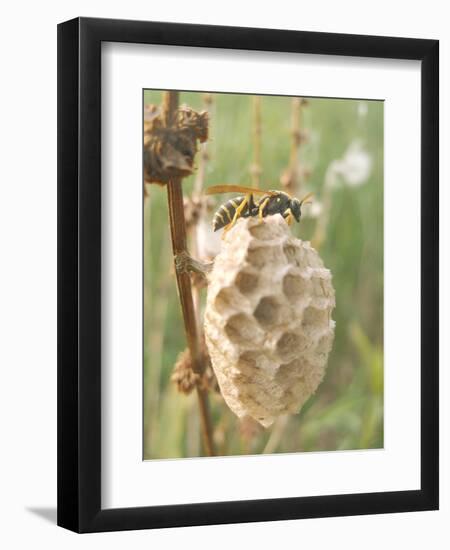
{"points": [[296, 397], [313, 376], [262, 231], [291, 252], [256, 408], [257, 256], [248, 362], [224, 299], [265, 396], [295, 286], [314, 259], [325, 343], [246, 282], [242, 329], [268, 311], [290, 345], [288, 372], [313, 317], [262, 255], [322, 287]]}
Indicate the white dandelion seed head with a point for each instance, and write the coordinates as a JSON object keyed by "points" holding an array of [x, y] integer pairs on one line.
{"points": [[362, 109], [353, 169], [312, 210]]}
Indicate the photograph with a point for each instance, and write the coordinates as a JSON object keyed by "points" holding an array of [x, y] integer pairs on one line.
{"points": [[248, 274], [262, 274]]}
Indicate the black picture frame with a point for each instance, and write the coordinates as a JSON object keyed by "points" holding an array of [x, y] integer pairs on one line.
{"points": [[79, 274]]}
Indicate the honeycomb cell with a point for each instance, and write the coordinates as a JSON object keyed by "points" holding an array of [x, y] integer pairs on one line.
{"points": [[295, 286], [325, 343], [288, 372], [248, 362], [262, 231], [260, 256], [291, 253], [290, 345], [268, 311], [241, 329], [313, 258], [314, 317], [246, 282], [224, 299]]}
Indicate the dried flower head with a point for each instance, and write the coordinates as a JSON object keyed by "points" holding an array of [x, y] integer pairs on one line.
{"points": [[183, 374], [194, 207], [186, 379], [169, 151]]}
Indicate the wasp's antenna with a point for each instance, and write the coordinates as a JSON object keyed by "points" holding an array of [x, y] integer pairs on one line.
{"points": [[306, 198]]}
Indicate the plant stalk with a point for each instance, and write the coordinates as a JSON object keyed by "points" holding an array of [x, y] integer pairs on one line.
{"points": [[295, 141], [178, 236], [199, 184], [256, 169]]}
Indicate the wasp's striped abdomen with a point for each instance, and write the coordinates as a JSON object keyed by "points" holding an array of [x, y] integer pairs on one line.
{"points": [[226, 212]]}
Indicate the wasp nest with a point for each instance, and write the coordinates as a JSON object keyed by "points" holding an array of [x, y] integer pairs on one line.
{"points": [[268, 319]]}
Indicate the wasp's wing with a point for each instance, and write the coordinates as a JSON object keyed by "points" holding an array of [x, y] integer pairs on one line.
{"points": [[216, 189]]}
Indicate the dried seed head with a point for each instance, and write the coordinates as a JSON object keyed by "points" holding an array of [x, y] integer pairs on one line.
{"points": [[184, 377], [183, 374], [169, 152], [194, 207], [268, 320]]}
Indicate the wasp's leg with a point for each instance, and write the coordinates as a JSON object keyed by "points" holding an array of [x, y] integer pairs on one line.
{"points": [[288, 216], [251, 204], [238, 212], [261, 208]]}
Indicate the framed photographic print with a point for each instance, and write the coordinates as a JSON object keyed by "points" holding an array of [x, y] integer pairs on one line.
{"points": [[248, 275]]}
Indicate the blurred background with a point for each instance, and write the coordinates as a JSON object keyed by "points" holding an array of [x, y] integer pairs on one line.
{"points": [[334, 148]]}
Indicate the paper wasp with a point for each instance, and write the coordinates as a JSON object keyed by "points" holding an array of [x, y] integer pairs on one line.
{"points": [[245, 206]]}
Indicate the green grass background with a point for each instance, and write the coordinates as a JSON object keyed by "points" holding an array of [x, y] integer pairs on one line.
{"points": [[347, 410]]}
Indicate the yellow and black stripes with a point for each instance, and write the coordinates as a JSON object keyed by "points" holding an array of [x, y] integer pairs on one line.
{"points": [[270, 204], [226, 213]]}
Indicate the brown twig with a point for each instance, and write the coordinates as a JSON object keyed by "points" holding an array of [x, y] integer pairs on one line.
{"points": [[200, 200], [296, 138], [204, 156], [255, 168], [291, 177], [178, 235], [320, 231], [276, 435]]}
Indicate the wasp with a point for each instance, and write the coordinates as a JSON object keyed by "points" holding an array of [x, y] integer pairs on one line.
{"points": [[245, 206]]}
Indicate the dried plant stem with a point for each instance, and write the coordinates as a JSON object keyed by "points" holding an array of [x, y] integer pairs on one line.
{"points": [[322, 222], [295, 141], [256, 169], [203, 157], [178, 235], [276, 435], [196, 196]]}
